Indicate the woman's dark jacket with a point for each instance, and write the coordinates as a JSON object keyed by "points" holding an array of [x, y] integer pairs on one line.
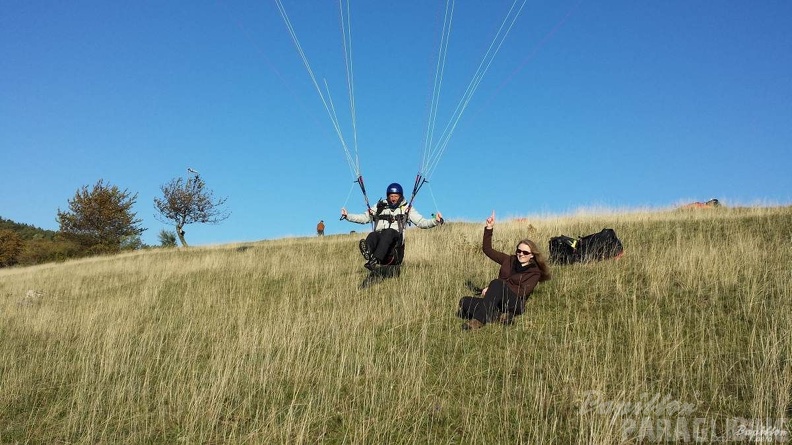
{"points": [[521, 280]]}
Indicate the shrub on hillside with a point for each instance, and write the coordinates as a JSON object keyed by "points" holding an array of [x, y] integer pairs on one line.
{"points": [[39, 251], [167, 238]]}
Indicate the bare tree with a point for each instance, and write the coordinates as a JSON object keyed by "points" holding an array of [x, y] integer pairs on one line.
{"points": [[187, 202]]}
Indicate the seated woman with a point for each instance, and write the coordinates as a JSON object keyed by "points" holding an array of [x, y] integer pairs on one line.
{"points": [[505, 296]]}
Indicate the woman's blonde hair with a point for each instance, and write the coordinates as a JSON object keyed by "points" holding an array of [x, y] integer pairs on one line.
{"points": [[538, 257]]}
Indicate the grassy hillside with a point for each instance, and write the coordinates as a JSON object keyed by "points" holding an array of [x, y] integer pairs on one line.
{"points": [[275, 341]]}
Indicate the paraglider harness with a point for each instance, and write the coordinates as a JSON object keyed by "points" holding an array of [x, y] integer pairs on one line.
{"points": [[401, 218], [396, 254]]}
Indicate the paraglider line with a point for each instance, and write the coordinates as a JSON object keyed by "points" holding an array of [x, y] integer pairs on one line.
{"points": [[532, 54]]}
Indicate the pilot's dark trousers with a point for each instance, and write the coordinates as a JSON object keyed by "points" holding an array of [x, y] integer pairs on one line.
{"points": [[380, 243]]}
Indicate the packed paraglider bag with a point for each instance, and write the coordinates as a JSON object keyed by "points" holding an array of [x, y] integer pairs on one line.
{"points": [[600, 246], [563, 250], [595, 247]]}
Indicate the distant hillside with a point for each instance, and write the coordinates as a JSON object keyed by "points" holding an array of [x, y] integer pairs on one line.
{"points": [[26, 231], [683, 339]]}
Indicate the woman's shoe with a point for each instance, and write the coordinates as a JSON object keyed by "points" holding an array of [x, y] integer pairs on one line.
{"points": [[472, 325]]}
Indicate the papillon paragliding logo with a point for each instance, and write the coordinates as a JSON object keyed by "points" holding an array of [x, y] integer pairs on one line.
{"points": [[657, 418]]}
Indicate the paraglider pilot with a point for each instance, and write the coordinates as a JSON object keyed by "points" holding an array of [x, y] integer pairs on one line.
{"points": [[384, 246]]}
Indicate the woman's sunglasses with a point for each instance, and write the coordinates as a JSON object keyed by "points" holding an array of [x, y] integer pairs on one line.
{"points": [[524, 252]]}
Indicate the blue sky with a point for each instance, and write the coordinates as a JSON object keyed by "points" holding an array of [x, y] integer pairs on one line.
{"points": [[616, 104]]}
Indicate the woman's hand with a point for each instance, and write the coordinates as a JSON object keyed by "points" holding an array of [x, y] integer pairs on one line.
{"points": [[491, 220], [484, 291]]}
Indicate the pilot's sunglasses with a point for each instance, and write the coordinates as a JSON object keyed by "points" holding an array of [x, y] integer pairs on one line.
{"points": [[524, 252]]}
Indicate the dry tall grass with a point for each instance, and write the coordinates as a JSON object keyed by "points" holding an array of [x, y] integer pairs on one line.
{"points": [[275, 342]]}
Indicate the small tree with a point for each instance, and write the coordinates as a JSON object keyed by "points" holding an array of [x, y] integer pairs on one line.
{"points": [[10, 247], [187, 202], [100, 220]]}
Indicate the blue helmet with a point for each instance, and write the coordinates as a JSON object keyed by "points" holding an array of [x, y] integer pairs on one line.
{"points": [[395, 188]]}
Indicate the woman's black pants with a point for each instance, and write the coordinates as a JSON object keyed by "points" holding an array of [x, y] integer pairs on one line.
{"points": [[498, 299]]}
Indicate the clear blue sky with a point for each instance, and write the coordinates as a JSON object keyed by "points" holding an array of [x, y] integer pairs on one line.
{"points": [[618, 104]]}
